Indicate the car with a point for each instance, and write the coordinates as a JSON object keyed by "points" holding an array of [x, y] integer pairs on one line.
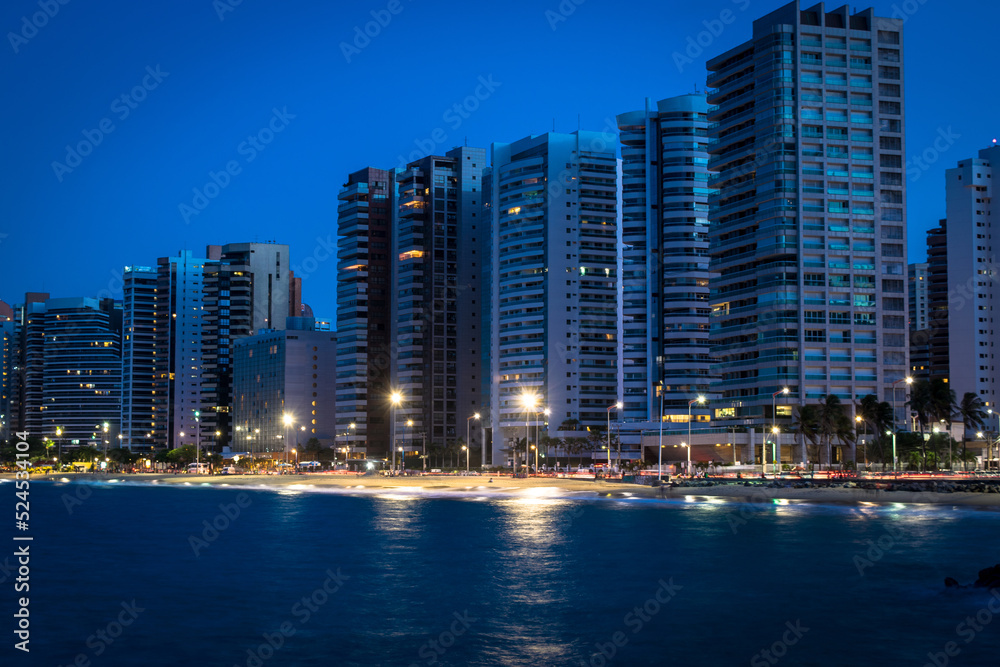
{"points": [[228, 470]]}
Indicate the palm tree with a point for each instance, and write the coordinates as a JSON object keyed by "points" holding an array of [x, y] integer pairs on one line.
{"points": [[921, 403], [833, 423], [805, 422], [970, 411], [878, 416]]}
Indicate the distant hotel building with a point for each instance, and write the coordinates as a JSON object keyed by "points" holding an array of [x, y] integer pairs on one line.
{"points": [[285, 372], [972, 268], [364, 292], [665, 256], [808, 227], [436, 328], [555, 289], [917, 290]]}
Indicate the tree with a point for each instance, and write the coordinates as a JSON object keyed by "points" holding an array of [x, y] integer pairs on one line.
{"points": [[971, 411], [878, 417], [805, 422], [931, 401], [833, 424]]}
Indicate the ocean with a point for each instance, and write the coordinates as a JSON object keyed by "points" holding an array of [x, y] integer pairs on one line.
{"points": [[125, 574]]}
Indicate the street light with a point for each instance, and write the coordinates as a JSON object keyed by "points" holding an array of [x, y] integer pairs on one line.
{"points": [[618, 406], [286, 419], [465, 448], [775, 450], [908, 380], [857, 418], [529, 401], [59, 445], [468, 436], [774, 429], [296, 452], [395, 398], [700, 401], [659, 462], [197, 439]]}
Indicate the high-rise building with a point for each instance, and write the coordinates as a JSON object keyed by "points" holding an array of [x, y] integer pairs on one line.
{"points": [[436, 326], [279, 373], [245, 290], [22, 377], [808, 227], [972, 267], [8, 376], [138, 395], [72, 361], [179, 331], [917, 290], [364, 353], [665, 281], [938, 305], [555, 339]]}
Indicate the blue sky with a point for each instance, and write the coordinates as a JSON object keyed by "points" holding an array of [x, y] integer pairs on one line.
{"points": [[269, 90]]}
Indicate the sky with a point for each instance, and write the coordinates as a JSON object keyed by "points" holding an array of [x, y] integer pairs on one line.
{"points": [[133, 130]]}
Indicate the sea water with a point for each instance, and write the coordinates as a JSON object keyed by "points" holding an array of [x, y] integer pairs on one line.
{"points": [[125, 574]]}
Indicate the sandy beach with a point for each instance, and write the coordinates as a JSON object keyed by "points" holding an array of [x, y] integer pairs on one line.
{"points": [[549, 486]]}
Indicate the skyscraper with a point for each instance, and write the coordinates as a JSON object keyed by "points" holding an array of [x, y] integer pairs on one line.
{"points": [[138, 397], [364, 353], [73, 369], [246, 289], [555, 335], [436, 326], [179, 321], [665, 307], [972, 269], [938, 306], [808, 229]]}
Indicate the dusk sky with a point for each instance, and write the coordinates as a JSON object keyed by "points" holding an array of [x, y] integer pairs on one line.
{"points": [[210, 75]]}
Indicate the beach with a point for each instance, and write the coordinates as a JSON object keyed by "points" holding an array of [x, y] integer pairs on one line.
{"points": [[500, 486]]}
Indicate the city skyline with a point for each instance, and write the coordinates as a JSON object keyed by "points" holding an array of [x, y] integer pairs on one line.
{"points": [[143, 172]]}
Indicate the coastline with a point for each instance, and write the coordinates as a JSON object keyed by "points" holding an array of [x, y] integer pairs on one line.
{"points": [[501, 486]]}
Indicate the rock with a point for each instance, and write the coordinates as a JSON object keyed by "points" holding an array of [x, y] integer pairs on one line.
{"points": [[950, 583], [988, 578]]}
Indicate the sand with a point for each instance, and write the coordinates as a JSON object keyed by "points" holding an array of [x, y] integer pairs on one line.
{"points": [[566, 487]]}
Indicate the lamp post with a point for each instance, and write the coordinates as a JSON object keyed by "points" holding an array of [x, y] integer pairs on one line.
{"points": [[775, 449], [468, 437], [700, 400], [908, 380], [105, 440], [774, 429], [467, 450], [197, 439], [538, 437], [395, 398], [286, 419], [857, 418], [659, 460], [296, 452], [619, 406], [893, 434], [529, 401], [59, 447]]}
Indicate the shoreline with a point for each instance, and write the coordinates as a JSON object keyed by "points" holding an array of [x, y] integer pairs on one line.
{"points": [[507, 486]]}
